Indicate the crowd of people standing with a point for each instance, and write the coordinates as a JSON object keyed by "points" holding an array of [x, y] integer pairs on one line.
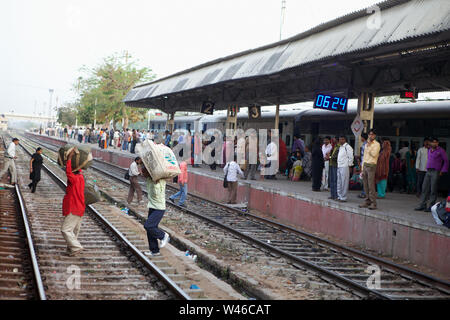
{"points": [[377, 169]]}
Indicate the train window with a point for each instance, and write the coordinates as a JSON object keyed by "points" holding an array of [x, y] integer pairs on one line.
{"points": [[153, 126], [351, 141], [175, 126], [415, 144], [205, 126], [288, 140], [188, 126], [159, 126], [394, 146], [403, 143]]}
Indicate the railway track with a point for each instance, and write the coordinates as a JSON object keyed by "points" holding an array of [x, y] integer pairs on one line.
{"points": [[19, 273], [345, 266], [111, 268]]}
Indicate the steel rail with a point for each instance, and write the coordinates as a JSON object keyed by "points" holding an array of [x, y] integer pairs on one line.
{"points": [[137, 253], [37, 279], [37, 274]]}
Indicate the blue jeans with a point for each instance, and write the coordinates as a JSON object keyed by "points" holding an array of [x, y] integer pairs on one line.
{"points": [[332, 181], [182, 194], [151, 226], [125, 145]]}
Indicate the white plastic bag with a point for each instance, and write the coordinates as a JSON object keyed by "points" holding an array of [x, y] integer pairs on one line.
{"points": [[159, 160], [435, 214]]}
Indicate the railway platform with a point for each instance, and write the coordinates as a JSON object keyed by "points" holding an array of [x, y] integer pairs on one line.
{"points": [[393, 230]]}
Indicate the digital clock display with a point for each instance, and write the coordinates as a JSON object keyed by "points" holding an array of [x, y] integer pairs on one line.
{"points": [[329, 102]]}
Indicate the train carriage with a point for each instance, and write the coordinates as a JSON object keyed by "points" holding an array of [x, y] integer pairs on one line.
{"points": [[401, 122]]}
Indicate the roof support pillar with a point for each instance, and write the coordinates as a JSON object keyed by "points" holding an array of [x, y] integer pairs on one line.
{"points": [[170, 121], [366, 107], [277, 117]]}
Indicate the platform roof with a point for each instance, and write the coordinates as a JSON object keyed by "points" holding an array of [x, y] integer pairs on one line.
{"points": [[409, 47]]}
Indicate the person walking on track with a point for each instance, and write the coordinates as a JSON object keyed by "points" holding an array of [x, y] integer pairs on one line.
{"points": [[182, 182], [10, 165], [35, 169], [73, 208], [134, 173], [156, 207]]}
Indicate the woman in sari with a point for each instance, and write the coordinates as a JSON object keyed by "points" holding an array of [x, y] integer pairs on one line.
{"points": [[410, 171], [317, 164], [382, 171]]}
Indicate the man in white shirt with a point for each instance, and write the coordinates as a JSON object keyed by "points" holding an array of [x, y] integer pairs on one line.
{"points": [[326, 151], [344, 161], [231, 171], [134, 173], [116, 138], [10, 156], [421, 164], [272, 157], [404, 150], [80, 135], [104, 138]]}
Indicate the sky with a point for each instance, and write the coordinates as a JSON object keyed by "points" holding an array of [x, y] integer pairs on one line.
{"points": [[44, 43]]}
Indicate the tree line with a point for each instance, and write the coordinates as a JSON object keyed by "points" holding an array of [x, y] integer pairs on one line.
{"points": [[100, 91]]}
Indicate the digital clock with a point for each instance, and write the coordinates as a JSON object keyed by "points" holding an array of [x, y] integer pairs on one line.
{"points": [[329, 102]]}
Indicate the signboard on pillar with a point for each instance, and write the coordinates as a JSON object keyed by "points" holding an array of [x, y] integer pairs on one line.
{"points": [[208, 107], [254, 112], [357, 126]]}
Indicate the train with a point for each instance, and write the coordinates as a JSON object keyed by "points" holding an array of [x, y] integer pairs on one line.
{"points": [[400, 122]]}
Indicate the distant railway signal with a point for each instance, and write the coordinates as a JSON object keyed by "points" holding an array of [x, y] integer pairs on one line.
{"points": [[409, 94]]}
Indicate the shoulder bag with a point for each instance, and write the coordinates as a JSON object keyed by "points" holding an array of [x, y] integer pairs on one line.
{"points": [[225, 181], [127, 175]]}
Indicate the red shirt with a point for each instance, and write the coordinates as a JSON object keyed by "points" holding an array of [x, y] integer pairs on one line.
{"points": [[73, 201]]}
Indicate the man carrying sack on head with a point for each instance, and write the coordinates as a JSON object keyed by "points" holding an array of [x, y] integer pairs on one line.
{"points": [[73, 207]]}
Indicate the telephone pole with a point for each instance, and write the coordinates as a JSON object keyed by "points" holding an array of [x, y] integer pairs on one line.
{"points": [[283, 14], [50, 91]]}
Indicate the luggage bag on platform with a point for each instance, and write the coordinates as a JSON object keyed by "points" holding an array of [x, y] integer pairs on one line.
{"points": [[82, 159], [159, 160]]}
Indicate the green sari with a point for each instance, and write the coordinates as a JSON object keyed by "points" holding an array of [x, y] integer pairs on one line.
{"points": [[410, 173]]}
